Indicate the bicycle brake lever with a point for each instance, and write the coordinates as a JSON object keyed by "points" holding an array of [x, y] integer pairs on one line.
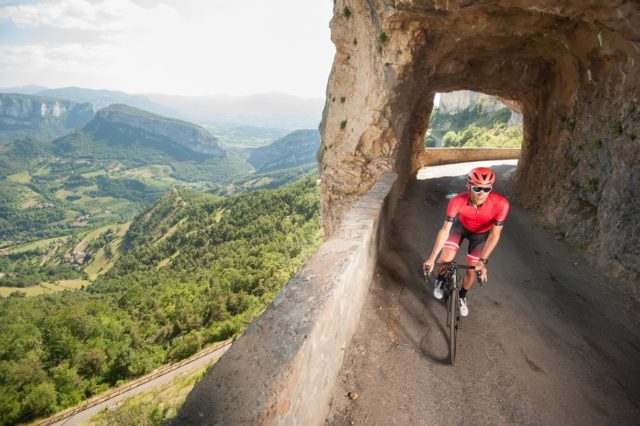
{"points": [[479, 275]]}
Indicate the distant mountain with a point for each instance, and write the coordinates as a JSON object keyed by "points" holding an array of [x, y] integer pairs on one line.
{"points": [[103, 98], [30, 89], [38, 116], [147, 138], [295, 149], [105, 172], [274, 110]]}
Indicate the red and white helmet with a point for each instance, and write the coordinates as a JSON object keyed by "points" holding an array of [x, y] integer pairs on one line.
{"points": [[481, 176]]}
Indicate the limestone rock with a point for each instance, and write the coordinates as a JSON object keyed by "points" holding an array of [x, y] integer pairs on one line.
{"points": [[457, 101], [572, 67], [24, 111], [187, 135]]}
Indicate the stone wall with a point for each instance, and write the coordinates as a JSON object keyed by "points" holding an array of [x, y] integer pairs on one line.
{"points": [[283, 368], [439, 156], [572, 67]]}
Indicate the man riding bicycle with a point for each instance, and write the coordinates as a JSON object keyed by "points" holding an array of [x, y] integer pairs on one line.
{"points": [[477, 215]]}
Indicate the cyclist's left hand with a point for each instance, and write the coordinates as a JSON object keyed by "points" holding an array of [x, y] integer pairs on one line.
{"points": [[484, 275]]}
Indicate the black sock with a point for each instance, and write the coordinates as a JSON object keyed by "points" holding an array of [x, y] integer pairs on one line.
{"points": [[440, 277], [463, 293]]}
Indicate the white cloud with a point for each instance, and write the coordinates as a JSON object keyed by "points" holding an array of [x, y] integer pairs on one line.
{"points": [[106, 15], [173, 46], [68, 58]]}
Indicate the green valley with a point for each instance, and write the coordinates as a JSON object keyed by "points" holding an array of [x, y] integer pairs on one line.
{"points": [[129, 240], [192, 269]]}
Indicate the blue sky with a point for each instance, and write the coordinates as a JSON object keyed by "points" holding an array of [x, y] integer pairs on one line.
{"points": [[186, 47]]}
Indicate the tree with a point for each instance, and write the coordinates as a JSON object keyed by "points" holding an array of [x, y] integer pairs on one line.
{"points": [[39, 400]]}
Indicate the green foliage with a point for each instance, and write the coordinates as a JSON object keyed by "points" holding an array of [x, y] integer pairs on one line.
{"points": [[22, 154], [228, 259], [383, 37], [429, 141], [129, 189], [593, 184], [343, 124], [85, 175], [346, 12], [476, 115], [597, 143], [268, 180], [473, 136], [297, 148], [146, 413], [617, 128], [474, 127]]}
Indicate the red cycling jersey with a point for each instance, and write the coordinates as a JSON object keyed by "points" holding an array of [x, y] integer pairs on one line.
{"points": [[481, 219]]}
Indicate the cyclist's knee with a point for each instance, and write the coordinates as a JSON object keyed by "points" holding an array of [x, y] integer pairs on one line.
{"points": [[447, 255]]}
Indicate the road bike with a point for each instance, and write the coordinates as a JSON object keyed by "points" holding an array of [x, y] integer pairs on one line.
{"points": [[452, 299]]}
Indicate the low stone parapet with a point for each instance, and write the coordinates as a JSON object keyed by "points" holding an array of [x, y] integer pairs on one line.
{"points": [[283, 368], [439, 156]]}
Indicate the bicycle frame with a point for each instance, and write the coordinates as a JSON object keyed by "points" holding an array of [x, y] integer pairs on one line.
{"points": [[452, 298]]}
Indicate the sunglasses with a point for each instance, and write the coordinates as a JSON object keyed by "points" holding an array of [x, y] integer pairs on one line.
{"points": [[479, 189]]}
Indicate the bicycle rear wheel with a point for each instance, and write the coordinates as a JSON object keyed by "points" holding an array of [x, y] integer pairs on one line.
{"points": [[452, 322]]}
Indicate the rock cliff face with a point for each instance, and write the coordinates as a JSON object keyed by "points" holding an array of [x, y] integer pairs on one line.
{"points": [[453, 102], [571, 67], [187, 135], [25, 111]]}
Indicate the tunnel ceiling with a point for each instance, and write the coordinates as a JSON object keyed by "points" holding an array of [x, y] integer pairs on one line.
{"points": [[571, 66]]}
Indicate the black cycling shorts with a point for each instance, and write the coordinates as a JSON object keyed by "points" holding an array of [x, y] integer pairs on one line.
{"points": [[476, 241]]}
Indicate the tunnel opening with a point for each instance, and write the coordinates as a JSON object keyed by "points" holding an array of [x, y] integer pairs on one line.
{"points": [[468, 119]]}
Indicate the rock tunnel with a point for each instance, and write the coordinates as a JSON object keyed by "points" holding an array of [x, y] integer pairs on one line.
{"points": [[570, 67]]}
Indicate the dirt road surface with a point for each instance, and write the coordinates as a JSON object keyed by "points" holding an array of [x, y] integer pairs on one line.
{"points": [[548, 340]]}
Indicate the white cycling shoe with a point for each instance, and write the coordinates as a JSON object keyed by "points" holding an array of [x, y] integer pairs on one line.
{"points": [[437, 290], [464, 310]]}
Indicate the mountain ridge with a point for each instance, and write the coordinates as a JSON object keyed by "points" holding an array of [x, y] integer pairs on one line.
{"points": [[296, 148], [45, 117], [271, 109]]}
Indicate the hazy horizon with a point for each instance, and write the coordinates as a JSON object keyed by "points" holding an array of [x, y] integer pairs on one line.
{"points": [[168, 47], [4, 89]]}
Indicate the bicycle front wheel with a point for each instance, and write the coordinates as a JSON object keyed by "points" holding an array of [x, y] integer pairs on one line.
{"points": [[452, 321]]}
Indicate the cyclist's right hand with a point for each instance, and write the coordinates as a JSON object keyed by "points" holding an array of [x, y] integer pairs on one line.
{"points": [[427, 266]]}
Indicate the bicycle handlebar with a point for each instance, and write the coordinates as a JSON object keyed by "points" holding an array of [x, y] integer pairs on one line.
{"points": [[457, 266]]}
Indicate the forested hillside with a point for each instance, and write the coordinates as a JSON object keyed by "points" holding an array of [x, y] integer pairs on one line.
{"points": [[293, 150], [105, 173], [191, 270]]}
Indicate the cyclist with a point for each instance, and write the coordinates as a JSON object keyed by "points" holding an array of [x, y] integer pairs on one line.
{"points": [[477, 215]]}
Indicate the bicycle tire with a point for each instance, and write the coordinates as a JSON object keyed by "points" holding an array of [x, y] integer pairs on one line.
{"points": [[453, 322], [447, 298]]}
